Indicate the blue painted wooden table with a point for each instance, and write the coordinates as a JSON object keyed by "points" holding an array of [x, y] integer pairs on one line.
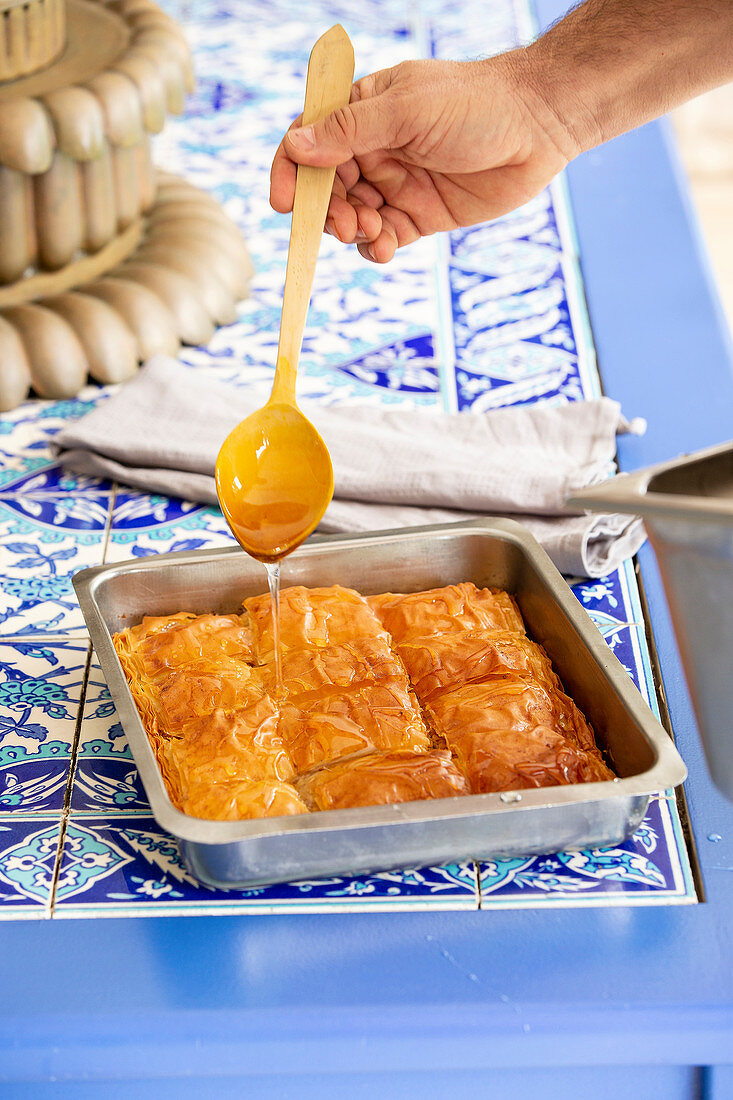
{"points": [[445, 1004]]}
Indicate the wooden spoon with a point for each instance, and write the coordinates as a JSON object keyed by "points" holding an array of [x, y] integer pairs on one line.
{"points": [[274, 476]]}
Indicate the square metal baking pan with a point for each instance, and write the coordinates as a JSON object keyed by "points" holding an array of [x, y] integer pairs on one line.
{"points": [[239, 854]]}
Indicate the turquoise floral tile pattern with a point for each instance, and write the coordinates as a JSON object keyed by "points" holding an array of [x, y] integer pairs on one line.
{"points": [[480, 318], [29, 851], [40, 697], [119, 865], [646, 865], [44, 540], [106, 780]]}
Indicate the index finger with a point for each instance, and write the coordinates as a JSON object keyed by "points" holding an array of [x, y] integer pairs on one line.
{"points": [[282, 177]]}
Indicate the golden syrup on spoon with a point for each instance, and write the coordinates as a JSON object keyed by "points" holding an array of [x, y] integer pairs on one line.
{"points": [[274, 480]]}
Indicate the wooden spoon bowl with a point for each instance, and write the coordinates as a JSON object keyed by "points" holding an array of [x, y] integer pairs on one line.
{"points": [[274, 479]]}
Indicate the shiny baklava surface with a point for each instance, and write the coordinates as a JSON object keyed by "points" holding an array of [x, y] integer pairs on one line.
{"points": [[390, 698]]}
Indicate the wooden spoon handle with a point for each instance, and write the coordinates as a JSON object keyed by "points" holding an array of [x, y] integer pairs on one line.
{"points": [[328, 87]]}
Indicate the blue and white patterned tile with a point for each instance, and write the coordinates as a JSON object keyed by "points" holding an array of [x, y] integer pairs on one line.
{"points": [[515, 298], [106, 780], [608, 602], [410, 368], [370, 336], [510, 331], [614, 605], [130, 865], [28, 462], [647, 869], [521, 315], [485, 317], [357, 311], [28, 854], [143, 525], [41, 686], [452, 27], [515, 336], [510, 295], [639, 662], [67, 509], [42, 544]]}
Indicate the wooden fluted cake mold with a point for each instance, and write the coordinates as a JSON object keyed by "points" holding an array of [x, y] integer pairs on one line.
{"points": [[75, 163], [170, 278], [32, 34], [99, 266]]}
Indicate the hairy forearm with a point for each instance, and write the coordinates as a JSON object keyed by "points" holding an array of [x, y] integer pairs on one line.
{"points": [[611, 65]]}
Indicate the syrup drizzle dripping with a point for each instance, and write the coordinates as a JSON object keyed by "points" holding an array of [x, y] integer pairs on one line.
{"points": [[273, 580]]}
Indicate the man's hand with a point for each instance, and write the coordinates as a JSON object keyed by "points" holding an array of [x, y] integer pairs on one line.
{"points": [[432, 145], [427, 146]]}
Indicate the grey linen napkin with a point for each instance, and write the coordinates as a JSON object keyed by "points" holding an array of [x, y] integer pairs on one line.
{"points": [[161, 432]]}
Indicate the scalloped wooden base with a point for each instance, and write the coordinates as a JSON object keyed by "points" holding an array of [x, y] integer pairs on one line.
{"points": [[75, 156], [170, 278]]}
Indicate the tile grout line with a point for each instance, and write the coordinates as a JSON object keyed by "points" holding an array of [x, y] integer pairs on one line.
{"points": [[479, 891], [66, 809], [110, 522]]}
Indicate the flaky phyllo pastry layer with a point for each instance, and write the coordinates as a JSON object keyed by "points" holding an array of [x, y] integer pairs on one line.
{"points": [[387, 699]]}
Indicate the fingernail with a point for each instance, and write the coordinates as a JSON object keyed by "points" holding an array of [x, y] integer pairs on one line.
{"points": [[329, 227], [360, 236], [370, 252], [303, 138]]}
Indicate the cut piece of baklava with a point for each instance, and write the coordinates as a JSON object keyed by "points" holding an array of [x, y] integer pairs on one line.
{"points": [[445, 661], [510, 732], [240, 799], [234, 743], [365, 659], [211, 764], [207, 714], [311, 618], [446, 610], [319, 729], [200, 687], [382, 777], [345, 689], [166, 643]]}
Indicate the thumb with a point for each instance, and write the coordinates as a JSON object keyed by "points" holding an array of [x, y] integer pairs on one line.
{"points": [[360, 127]]}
